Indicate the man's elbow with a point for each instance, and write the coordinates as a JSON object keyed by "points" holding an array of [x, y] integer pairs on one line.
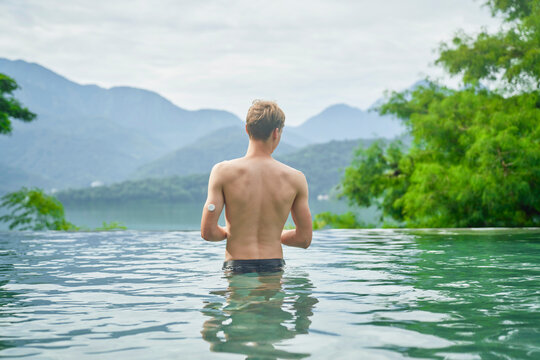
{"points": [[213, 233], [206, 234], [306, 239]]}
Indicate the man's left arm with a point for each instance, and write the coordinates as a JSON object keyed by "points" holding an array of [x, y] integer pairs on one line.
{"points": [[210, 230]]}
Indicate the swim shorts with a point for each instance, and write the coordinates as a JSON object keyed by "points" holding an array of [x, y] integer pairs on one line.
{"points": [[254, 265]]}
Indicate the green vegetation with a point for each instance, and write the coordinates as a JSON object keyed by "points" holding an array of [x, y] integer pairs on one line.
{"points": [[113, 225], [347, 220], [475, 156], [10, 108], [31, 209], [178, 189]]}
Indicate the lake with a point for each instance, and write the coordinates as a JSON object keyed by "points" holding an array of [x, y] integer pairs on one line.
{"points": [[354, 294], [153, 215]]}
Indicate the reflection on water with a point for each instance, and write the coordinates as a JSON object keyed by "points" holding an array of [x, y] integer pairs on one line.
{"points": [[256, 312]]}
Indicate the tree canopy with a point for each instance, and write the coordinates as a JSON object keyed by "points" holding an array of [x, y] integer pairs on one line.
{"points": [[11, 108], [475, 155]]}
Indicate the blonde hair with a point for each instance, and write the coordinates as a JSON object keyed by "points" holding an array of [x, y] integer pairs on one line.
{"points": [[262, 118]]}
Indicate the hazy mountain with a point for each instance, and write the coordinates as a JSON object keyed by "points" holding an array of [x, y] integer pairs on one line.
{"points": [[291, 136], [199, 156], [323, 165], [85, 132], [13, 179], [341, 121]]}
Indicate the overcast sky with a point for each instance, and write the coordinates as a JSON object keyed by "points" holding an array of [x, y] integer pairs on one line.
{"points": [[306, 55]]}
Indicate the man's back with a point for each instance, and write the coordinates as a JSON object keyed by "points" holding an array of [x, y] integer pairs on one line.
{"points": [[259, 194]]}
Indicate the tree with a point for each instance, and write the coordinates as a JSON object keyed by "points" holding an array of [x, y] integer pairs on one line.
{"points": [[31, 209], [10, 108], [475, 155]]}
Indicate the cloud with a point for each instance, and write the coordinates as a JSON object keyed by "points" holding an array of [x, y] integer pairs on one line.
{"points": [[222, 54]]}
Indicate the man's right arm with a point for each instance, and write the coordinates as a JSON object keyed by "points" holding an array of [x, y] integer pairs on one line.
{"points": [[301, 236], [210, 230]]}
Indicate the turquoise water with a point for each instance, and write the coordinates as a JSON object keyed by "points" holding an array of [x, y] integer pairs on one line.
{"points": [[354, 294]]}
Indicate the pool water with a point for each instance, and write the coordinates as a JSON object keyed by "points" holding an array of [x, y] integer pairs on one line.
{"points": [[354, 294]]}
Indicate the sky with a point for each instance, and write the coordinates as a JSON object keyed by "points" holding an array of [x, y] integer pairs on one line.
{"points": [[304, 54]]}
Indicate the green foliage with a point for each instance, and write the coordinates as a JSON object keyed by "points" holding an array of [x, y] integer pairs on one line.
{"points": [[113, 225], [31, 209], [347, 220], [513, 53], [375, 178], [10, 108], [475, 156]]}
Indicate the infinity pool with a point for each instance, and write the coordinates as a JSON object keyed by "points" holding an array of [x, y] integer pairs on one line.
{"points": [[354, 294]]}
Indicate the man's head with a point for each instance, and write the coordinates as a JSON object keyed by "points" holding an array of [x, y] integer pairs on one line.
{"points": [[263, 118]]}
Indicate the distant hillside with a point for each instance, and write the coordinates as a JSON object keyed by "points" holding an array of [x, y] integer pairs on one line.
{"points": [[321, 163], [13, 179], [291, 136], [85, 133], [172, 189], [341, 122], [199, 156]]}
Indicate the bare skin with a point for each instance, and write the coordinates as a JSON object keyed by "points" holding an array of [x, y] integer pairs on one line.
{"points": [[258, 192]]}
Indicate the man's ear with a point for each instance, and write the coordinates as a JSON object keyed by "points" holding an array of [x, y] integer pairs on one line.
{"points": [[275, 133], [247, 132]]}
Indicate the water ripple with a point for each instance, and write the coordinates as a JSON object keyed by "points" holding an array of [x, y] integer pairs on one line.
{"points": [[450, 293]]}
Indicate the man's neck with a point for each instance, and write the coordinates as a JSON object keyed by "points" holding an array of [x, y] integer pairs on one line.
{"points": [[259, 148]]}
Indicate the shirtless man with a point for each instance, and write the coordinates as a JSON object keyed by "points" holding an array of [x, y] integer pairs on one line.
{"points": [[258, 193]]}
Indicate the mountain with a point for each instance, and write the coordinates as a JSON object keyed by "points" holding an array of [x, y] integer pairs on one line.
{"points": [[85, 133], [291, 136], [199, 156], [341, 122], [322, 164], [13, 179]]}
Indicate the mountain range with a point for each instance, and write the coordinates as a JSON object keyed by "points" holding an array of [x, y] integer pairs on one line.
{"points": [[322, 164], [199, 156], [344, 122], [86, 133]]}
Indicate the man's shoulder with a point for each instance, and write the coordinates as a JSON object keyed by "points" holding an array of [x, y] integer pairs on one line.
{"points": [[290, 170], [226, 168], [224, 165]]}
